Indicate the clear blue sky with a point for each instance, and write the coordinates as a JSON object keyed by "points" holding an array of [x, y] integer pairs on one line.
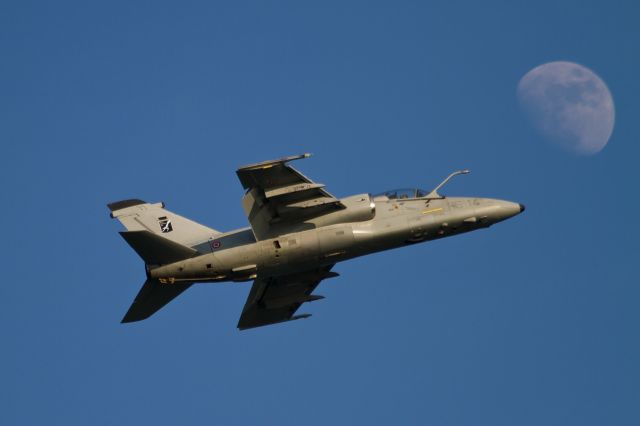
{"points": [[532, 322]]}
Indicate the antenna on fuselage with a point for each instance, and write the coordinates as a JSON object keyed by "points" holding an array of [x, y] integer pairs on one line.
{"points": [[434, 193]]}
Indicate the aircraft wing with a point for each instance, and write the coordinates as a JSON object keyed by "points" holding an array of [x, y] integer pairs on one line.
{"points": [[278, 197], [276, 299]]}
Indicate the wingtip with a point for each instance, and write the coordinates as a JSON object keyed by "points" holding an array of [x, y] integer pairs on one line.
{"points": [[270, 163]]}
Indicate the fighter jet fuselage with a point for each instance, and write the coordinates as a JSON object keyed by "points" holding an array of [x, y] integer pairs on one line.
{"points": [[383, 224], [298, 232]]}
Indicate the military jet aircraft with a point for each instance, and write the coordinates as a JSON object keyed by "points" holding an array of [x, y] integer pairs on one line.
{"points": [[298, 232]]}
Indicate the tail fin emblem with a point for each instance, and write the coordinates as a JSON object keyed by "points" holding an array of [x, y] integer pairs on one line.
{"points": [[165, 224]]}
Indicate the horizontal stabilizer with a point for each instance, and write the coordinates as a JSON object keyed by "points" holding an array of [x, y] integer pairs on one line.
{"points": [[156, 250], [151, 298]]}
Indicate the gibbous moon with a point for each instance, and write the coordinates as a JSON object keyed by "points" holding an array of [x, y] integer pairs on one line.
{"points": [[569, 105]]}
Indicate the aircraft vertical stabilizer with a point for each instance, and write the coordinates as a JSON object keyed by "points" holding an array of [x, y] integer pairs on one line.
{"points": [[138, 215]]}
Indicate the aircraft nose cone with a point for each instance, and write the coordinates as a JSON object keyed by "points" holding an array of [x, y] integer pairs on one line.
{"points": [[495, 211], [509, 209], [500, 210]]}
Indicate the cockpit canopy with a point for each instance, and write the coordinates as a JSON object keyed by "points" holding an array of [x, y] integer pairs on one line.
{"points": [[401, 194]]}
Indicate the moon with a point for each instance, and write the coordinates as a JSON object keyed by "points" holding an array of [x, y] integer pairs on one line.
{"points": [[569, 105]]}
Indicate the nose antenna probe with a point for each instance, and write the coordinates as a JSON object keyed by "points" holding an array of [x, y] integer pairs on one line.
{"points": [[434, 193]]}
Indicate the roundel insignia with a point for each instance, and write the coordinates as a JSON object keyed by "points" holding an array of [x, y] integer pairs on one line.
{"points": [[215, 244]]}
